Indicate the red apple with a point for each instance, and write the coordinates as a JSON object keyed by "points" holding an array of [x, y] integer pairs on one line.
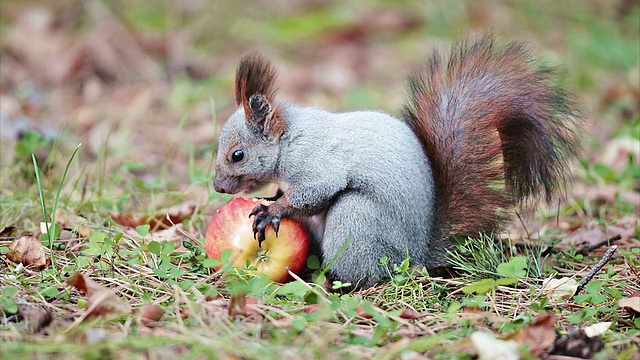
{"points": [[231, 229]]}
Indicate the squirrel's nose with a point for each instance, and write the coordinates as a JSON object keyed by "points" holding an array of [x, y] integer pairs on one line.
{"points": [[218, 187]]}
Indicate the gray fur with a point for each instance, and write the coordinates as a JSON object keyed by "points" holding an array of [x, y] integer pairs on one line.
{"points": [[366, 170]]}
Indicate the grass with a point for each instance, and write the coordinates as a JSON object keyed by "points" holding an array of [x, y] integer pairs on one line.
{"points": [[141, 168]]}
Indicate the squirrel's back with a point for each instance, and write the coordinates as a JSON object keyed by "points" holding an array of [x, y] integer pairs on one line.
{"points": [[378, 154]]}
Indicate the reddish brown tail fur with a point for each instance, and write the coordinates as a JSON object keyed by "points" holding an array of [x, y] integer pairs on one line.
{"points": [[497, 130]]}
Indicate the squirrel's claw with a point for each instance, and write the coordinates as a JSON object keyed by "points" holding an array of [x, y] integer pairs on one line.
{"points": [[257, 210], [261, 221]]}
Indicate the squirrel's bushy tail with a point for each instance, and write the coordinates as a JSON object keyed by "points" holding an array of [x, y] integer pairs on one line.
{"points": [[497, 130]]}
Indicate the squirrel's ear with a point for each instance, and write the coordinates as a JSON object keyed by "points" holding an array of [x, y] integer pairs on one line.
{"points": [[255, 92], [260, 114]]}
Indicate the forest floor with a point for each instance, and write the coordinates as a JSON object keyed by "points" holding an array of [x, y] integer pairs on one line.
{"points": [[120, 104]]}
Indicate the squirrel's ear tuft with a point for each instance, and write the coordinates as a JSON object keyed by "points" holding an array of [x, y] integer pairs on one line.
{"points": [[255, 75], [255, 92]]}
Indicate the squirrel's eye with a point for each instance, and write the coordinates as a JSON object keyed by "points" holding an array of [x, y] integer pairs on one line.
{"points": [[237, 156]]}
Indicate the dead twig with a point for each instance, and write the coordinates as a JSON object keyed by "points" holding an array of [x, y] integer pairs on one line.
{"points": [[588, 250], [605, 259]]}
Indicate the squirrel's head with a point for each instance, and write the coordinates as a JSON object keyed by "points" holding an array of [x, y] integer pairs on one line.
{"points": [[249, 143]]}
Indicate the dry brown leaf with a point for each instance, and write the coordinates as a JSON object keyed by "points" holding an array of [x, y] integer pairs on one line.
{"points": [[609, 194], [241, 305], [473, 310], [372, 22], [363, 314], [114, 50], [216, 301], [38, 317], [150, 314], [618, 151], [71, 221], [539, 336], [312, 308], [129, 220], [631, 304], [49, 53], [411, 314], [7, 231], [593, 233], [238, 305], [101, 301], [28, 251], [177, 214], [252, 308]]}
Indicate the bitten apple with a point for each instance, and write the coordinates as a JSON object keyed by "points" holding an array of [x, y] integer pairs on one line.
{"points": [[231, 229]]}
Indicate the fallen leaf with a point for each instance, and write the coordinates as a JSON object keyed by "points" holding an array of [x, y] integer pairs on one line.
{"points": [[101, 301], [114, 49], [48, 52], [37, 317], [618, 151], [312, 308], [373, 22], [559, 289], [473, 310], [609, 194], [363, 314], [597, 329], [631, 304], [7, 231], [539, 336], [28, 251], [488, 347], [594, 233], [93, 336], [150, 314], [241, 305], [74, 222], [177, 214], [411, 314], [217, 301], [129, 220]]}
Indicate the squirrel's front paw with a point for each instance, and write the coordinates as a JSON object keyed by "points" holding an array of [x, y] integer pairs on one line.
{"points": [[262, 219]]}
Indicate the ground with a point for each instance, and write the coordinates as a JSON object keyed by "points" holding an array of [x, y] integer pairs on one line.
{"points": [[144, 88]]}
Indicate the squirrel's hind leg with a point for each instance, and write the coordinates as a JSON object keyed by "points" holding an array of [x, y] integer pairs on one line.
{"points": [[355, 218]]}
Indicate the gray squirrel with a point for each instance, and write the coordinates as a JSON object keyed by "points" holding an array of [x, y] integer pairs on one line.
{"points": [[484, 130]]}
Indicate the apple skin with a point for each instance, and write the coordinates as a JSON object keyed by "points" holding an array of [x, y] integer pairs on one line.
{"points": [[231, 228]]}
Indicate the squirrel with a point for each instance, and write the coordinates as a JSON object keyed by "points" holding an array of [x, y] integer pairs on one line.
{"points": [[484, 130]]}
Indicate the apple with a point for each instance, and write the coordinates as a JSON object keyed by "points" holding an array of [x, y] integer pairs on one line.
{"points": [[232, 229]]}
